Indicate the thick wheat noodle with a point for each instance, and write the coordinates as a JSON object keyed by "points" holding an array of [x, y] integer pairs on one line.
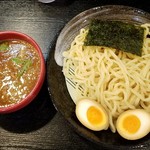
{"points": [[117, 80]]}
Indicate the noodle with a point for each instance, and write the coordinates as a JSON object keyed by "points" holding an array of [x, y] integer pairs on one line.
{"points": [[117, 80]]}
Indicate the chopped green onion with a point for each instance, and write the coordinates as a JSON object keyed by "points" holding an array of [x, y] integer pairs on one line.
{"points": [[4, 46], [25, 67], [24, 63], [17, 60]]}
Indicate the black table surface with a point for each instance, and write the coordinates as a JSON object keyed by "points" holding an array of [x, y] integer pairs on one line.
{"points": [[39, 125]]}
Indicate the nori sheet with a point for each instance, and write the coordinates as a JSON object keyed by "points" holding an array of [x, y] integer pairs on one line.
{"points": [[116, 34]]}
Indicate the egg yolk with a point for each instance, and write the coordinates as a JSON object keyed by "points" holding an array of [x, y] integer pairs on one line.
{"points": [[131, 124], [94, 115]]}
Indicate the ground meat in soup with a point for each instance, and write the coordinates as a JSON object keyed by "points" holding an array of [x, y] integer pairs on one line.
{"points": [[19, 70]]}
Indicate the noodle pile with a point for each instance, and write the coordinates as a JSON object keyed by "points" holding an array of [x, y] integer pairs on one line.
{"points": [[116, 79]]}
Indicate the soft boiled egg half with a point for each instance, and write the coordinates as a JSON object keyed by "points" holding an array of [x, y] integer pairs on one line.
{"points": [[92, 115], [133, 124]]}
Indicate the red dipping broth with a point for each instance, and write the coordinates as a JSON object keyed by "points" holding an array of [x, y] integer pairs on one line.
{"points": [[22, 70]]}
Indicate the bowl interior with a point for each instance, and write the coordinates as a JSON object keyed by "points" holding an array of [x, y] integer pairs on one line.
{"points": [[82, 20], [56, 81], [13, 35]]}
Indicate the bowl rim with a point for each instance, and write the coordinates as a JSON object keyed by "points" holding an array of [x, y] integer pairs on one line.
{"points": [[54, 100], [30, 97], [84, 16]]}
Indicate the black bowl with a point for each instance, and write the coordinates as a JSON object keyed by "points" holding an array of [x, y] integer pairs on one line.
{"points": [[56, 80]]}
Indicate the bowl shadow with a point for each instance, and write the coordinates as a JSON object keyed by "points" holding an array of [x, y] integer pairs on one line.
{"points": [[38, 113]]}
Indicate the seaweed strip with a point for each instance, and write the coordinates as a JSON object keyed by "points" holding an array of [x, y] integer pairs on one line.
{"points": [[116, 34]]}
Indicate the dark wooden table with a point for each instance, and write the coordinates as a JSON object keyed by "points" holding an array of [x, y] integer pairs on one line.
{"points": [[39, 125]]}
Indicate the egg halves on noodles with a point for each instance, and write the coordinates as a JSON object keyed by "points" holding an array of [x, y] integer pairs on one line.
{"points": [[92, 115], [133, 124]]}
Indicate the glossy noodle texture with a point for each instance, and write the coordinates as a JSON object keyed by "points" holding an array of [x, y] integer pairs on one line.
{"points": [[117, 80]]}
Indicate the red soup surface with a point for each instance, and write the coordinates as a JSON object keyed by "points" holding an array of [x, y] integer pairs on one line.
{"points": [[19, 70]]}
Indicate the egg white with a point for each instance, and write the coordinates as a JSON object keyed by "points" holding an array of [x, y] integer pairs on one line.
{"points": [[81, 110], [144, 129]]}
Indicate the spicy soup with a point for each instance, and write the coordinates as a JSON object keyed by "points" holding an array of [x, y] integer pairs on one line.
{"points": [[19, 70]]}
